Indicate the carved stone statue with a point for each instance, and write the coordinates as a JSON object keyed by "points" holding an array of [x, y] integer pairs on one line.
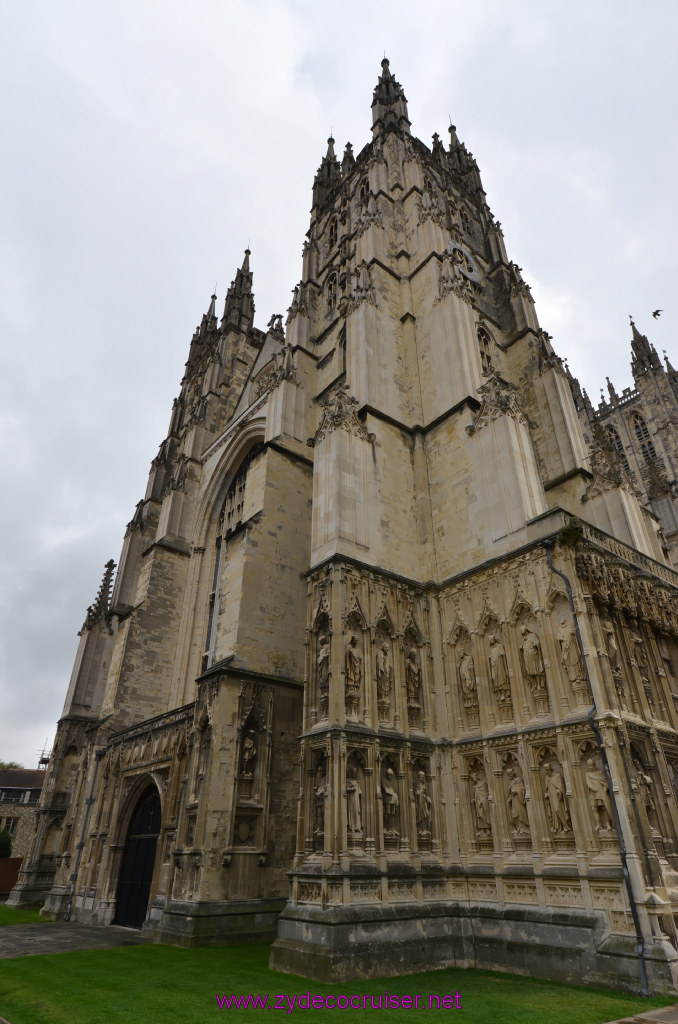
{"points": [[556, 800], [384, 673], [354, 803], [422, 802], [533, 662], [353, 665], [390, 801], [467, 680], [323, 664], [615, 663], [480, 800], [515, 802], [412, 677], [599, 794], [499, 671], [248, 757], [644, 784], [570, 654], [319, 794], [642, 661], [612, 649], [640, 655]]}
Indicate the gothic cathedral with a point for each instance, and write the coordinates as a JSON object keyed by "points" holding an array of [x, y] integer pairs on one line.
{"points": [[388, 671]]}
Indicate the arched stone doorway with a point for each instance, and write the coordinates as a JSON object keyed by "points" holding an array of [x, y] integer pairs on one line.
{"points": [[138, 859]]}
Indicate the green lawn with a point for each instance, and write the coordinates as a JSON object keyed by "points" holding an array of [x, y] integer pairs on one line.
{"points": [[19, 915], [162, 984]]}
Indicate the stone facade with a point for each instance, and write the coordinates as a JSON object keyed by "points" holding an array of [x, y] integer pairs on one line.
{"points": [[636, 433], [19, 796], [391, 647]]}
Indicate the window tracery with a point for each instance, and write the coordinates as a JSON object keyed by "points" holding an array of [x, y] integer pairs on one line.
{"points": [[332, 285], [230, 517], [485, 346], [616, 442], [643, 436]]}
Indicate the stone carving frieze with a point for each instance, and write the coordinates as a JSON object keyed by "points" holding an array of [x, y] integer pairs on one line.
{"points": [[614, 585], [361, 289], [499, 398], [608, 473], [339, 413], [431, 208], [369, 214]]}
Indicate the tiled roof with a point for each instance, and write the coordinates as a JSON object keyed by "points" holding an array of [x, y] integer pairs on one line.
{"points": [[21, 778]]}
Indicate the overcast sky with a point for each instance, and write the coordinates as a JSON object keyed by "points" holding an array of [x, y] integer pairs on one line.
{"points": [[145, 144]]}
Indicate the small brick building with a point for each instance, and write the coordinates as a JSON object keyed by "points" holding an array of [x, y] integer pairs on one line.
{"points": [[19, 795]]}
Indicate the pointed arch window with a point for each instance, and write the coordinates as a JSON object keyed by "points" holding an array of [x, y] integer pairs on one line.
{"points": [[230, 518], [485, 345], [616, 442], [342, 350], [333, 232], [332, 285], [643, 436], [364, 190]]}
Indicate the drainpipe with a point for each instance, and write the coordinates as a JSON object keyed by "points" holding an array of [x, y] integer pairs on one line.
{"points": [[640, 943], [98, 754]]}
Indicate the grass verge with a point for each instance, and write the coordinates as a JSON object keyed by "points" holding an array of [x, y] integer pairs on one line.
{"points": [[162, 984], [19, 915]]}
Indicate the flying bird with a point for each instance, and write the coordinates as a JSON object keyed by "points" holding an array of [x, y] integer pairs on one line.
{"points": [[657, 313]]}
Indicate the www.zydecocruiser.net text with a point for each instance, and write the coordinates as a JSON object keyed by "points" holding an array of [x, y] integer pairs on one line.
{"points": [[383, 1001]]}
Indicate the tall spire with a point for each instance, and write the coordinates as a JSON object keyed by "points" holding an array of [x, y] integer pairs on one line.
{"points": [[239, 305], [327, 176], [644, 355], [389, 103], [209, 319]]}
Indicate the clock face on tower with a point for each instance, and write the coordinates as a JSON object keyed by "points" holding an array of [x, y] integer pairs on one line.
{"points": [[464, 260]]}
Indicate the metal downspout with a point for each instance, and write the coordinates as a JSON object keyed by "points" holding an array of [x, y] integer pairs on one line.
{"points": [[98, 754], [640, 942]]}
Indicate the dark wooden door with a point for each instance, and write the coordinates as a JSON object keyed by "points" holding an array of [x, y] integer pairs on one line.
{"points": [[138, 859]]}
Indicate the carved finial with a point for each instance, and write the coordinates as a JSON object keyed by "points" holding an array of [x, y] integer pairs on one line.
{"points": [[101, 607], [348, 160], [239, 304], [389, 104]]}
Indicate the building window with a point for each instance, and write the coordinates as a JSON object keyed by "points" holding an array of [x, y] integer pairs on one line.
{"points": [[333, 232], [485, 346], [364, 190], [230, 518], [616, 442], [332, 291], [342, 350], [10, 825], [643, 435]]}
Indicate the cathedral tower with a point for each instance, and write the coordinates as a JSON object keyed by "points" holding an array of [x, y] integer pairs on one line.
{"points": [[388, 622]]}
